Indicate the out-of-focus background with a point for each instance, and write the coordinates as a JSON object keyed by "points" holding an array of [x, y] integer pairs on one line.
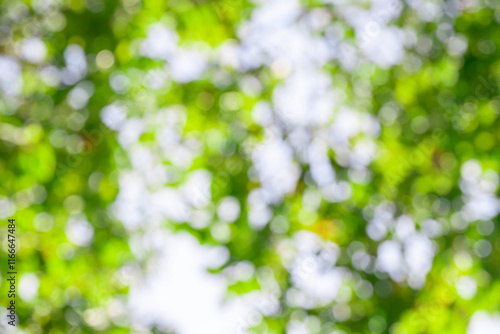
{"points": [[264, 166]]}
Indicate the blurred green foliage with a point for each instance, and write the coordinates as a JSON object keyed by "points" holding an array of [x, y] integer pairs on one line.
{"points": [[451, 113]]}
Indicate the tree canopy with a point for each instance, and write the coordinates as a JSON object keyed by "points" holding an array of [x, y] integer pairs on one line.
{"points": [[334, 162]]}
